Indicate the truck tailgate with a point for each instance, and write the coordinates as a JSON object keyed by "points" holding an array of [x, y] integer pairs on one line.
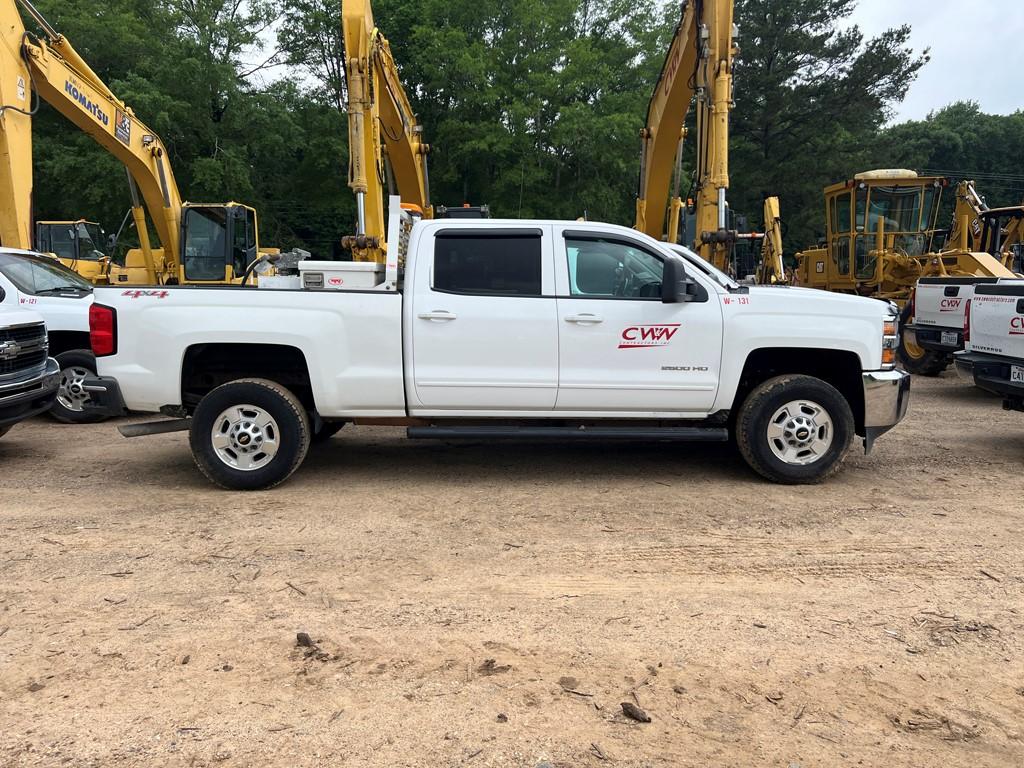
{"points": [[997, 319], [941, 301]]}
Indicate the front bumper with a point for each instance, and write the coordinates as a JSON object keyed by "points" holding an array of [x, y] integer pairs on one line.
{"points": [[886, 399], [104, 396], [24, 399], [992, 374]]}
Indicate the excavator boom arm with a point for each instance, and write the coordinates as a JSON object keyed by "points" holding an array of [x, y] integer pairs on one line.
{"points": [[58, 75], [699, 68], [380, 118]]}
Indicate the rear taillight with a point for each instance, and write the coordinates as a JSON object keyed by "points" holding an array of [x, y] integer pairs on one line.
{"points": [[102, 330], [967, 321]]}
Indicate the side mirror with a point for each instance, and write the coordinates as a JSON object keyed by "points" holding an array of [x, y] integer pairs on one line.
{"points": [[111, 242], [676, 286]]}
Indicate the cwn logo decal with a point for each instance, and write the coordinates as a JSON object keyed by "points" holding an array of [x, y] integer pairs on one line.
{"points": [[950, 305], [138, 294], [1017, 326], [335, 281], [646, 336]]}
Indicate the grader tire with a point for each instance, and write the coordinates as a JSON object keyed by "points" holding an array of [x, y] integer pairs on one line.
{"points": [[915, 359]]}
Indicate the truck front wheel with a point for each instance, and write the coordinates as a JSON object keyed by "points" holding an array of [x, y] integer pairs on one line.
{"points": [[794, 429], [249, 435]]}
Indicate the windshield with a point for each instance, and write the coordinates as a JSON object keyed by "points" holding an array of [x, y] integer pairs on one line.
{"points": [[40, 274], [906, 212], [205, 243], [708, 269]]}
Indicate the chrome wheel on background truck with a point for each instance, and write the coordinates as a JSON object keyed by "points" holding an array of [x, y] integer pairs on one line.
{"points": [[71, 405]]}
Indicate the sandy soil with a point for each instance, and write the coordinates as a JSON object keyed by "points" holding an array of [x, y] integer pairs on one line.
{"points": [[494, 605]]}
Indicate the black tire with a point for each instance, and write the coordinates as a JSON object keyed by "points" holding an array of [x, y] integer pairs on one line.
{"points": [[328, 429], [768, 399], [289, 433], [5, 430], [915, 359], [70, 405]]}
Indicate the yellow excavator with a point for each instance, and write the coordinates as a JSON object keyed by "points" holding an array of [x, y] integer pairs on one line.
{"points": [[699, 69], [200, 243], [386, 149], [882, 236]]}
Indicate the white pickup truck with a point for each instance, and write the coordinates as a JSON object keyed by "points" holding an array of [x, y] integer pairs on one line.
{"points": [[994, 339], [504, 330], [933, 322]]}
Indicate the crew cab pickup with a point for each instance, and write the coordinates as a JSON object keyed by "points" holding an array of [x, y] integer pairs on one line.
{"points": [[29, 377], [504, 330], [994, 339]]}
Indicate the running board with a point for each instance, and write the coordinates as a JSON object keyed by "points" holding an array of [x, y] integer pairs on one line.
{"points": [[678, 434], [162, 427]]}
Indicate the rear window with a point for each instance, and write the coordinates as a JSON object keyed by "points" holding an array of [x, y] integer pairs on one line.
{"points": [[488, 264]]}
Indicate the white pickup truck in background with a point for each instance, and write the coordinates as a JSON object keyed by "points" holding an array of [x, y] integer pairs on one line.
{"points": [[933, 322], [994, 340], [503, 329]]}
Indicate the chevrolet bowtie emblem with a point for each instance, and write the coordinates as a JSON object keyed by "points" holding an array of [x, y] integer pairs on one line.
{"points": [[9, 350]]}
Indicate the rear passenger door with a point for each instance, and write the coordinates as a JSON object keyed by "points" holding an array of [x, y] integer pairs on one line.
{"points": [[483, 331]]}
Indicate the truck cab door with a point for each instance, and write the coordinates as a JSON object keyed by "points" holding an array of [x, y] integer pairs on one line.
{"points": [[621, 349], [482, 332]]}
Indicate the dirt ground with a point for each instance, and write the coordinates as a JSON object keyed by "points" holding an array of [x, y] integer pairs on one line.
{"points": [[494, 605]]}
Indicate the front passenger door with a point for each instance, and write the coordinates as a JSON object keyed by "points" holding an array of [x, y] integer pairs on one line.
{"points": [[620, 348]]}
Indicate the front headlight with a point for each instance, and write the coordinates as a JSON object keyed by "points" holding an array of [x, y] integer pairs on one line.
{"points": [[890, 342]]}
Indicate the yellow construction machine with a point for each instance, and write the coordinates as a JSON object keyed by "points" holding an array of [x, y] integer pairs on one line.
{"points": [[386, 149], [200, 243], [78, 245], [882, 236], [698, 69]]}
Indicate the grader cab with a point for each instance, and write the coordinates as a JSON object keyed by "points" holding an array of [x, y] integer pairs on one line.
{"points": [[882, 235]]}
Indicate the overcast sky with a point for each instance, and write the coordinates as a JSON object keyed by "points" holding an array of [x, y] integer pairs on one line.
{"points": [[975, 46]]}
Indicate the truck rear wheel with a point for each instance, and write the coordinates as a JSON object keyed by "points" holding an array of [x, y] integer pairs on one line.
{"points": [[795, 429], [249, 435], [917, 359]]}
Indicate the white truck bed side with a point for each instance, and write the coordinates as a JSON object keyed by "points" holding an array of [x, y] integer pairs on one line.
{"points": [[352, 341]]}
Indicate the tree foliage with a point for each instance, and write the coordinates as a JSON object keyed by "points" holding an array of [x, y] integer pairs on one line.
{"points": [[532, 106]]}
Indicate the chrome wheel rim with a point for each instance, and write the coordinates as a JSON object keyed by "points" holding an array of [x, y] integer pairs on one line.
{"points": [[245, 437], [800, 433], [71, 394]]}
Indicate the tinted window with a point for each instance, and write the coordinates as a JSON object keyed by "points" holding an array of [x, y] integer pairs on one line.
{"points": [[488, 265], [612, 270]]}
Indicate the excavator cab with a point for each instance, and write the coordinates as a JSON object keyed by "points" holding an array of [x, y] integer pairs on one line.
{"points": [[219, 242], [78, 245]]}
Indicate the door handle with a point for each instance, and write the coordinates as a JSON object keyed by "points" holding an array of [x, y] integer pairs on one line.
{"points": [[584, 319], [437, 314]]}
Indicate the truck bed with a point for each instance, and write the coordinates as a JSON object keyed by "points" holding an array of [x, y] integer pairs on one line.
{"points": [[351, 340]]}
